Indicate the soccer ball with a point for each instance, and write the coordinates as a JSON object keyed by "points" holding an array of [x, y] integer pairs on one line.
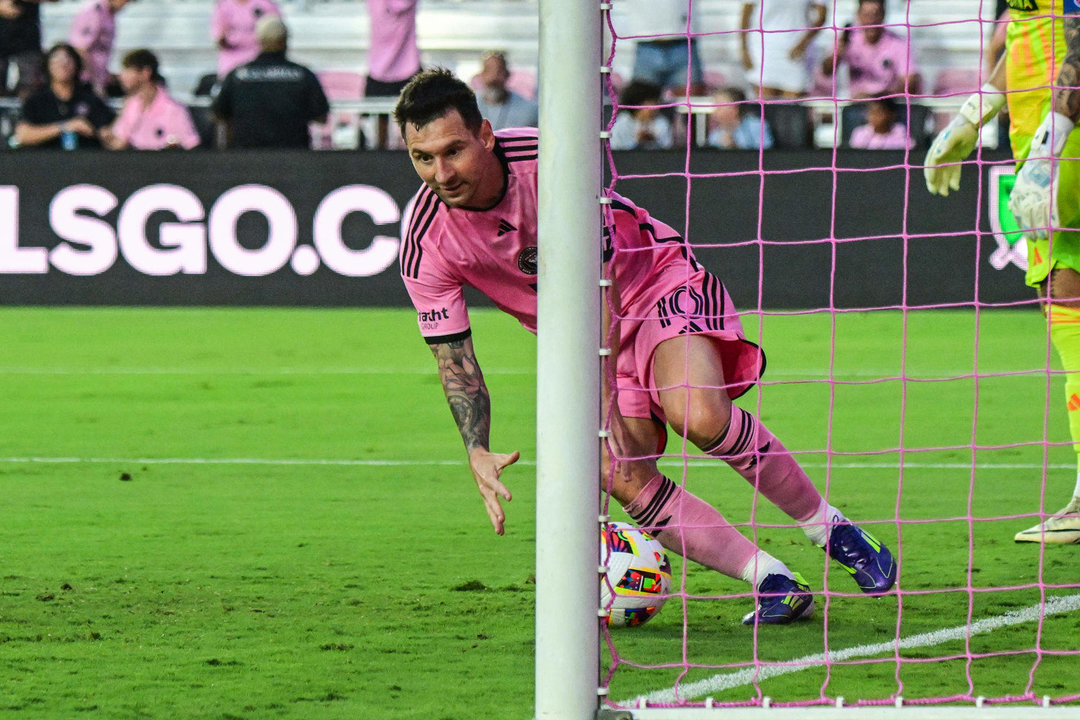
{"points": [[638, 575]]}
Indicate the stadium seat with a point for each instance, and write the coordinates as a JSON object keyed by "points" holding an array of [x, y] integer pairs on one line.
{"points": [[955, 83], [714, 80], [342, 130], [790, 125]]}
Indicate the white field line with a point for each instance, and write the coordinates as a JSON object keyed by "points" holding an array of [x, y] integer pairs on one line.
{"points": [[719, 683], [46, 371], [442, 463], [803, 374]]}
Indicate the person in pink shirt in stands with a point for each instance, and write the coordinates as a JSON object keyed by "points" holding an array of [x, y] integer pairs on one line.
{"points": [[233, 29], [882, 131], [151, 118], [393, 55], [880, 62], [92, 33]]}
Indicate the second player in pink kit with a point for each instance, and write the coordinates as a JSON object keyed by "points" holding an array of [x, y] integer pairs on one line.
{"points": [[92, 33], [682, 355], [233, 28]]}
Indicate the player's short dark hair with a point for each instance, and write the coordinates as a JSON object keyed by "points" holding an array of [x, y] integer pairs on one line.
{"points": [[886, 103], [879, 2], [640, 92], [433, 93], [143, 59], [71, 52]]}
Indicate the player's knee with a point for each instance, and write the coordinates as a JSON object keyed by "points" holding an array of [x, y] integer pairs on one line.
{"points": [[701, 422]]}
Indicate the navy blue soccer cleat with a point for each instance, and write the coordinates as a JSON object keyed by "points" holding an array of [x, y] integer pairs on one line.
{"points": [[861, 554], [781, 600]]}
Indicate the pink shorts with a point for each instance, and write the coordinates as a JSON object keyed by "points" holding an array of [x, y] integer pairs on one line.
{"points": [[694, 304]]}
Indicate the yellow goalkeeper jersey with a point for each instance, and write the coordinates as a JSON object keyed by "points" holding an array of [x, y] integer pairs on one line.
{"points": [[1035, 43]]}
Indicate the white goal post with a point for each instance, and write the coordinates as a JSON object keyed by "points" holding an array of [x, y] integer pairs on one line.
{"points": [[568, 364]]}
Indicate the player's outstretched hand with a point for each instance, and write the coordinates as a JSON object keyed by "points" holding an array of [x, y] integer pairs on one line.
{"points": [[958, 139], [486, 468], [951, 145]]}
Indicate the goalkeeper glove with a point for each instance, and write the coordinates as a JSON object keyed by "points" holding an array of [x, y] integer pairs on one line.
{"points": [[1034, 197], [958, 139]]}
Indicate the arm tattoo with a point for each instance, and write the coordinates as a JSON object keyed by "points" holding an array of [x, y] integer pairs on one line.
{"points": [[463, 383], [1067, 95]]}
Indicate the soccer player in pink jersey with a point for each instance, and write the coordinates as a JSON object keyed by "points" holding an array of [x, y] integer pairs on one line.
{"points": [[92, 33], [879, 61], [233, 28], [393, 54], [682, 355], [151, 119]]}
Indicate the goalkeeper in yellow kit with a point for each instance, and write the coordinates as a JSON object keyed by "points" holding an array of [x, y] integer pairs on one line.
{"points": [[1039, 78]]}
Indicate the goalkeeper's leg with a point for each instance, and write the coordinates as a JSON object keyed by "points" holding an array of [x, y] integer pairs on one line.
{"points": [[1063, 314]]}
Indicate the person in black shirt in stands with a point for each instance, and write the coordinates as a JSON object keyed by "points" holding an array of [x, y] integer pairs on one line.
{"points": [[65, 113], [268, 102], [20, 46]]}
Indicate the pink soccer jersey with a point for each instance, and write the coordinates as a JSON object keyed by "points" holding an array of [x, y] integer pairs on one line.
{"points": [[874, 68], [165, 123], [234, 20], [93, 31], [495, 250], [663, 292], [393, 54]]}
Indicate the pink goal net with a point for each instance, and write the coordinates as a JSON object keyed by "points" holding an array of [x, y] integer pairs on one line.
{"points": [[910, 371]]}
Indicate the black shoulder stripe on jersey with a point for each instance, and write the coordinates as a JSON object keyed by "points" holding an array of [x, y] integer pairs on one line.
{"points": [[442, 339], [516, 141], [648, 227], [423, 215], [521, 158]]}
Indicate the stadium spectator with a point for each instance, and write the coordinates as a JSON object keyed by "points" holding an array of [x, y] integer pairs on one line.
{"points": [[20, 46], [774, 42], [65, 113], [880, 62], [92, 33], [640, 125], [393, 55], [665, 44], [735, 125], [882, 130], [150, 119], [232, 26], [682, 354], [501, 106], [268, 102], [1041, 73]]}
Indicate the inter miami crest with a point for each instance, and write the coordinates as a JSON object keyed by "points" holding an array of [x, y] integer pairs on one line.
{"points": [[527, 260]]}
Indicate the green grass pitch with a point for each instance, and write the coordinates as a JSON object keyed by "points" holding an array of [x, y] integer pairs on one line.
{"points": [[267, 514]]}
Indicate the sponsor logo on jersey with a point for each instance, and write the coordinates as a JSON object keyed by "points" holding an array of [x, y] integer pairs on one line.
{"points": [[505, 227], [432, 315], [527, 260], [1028, 5]]}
